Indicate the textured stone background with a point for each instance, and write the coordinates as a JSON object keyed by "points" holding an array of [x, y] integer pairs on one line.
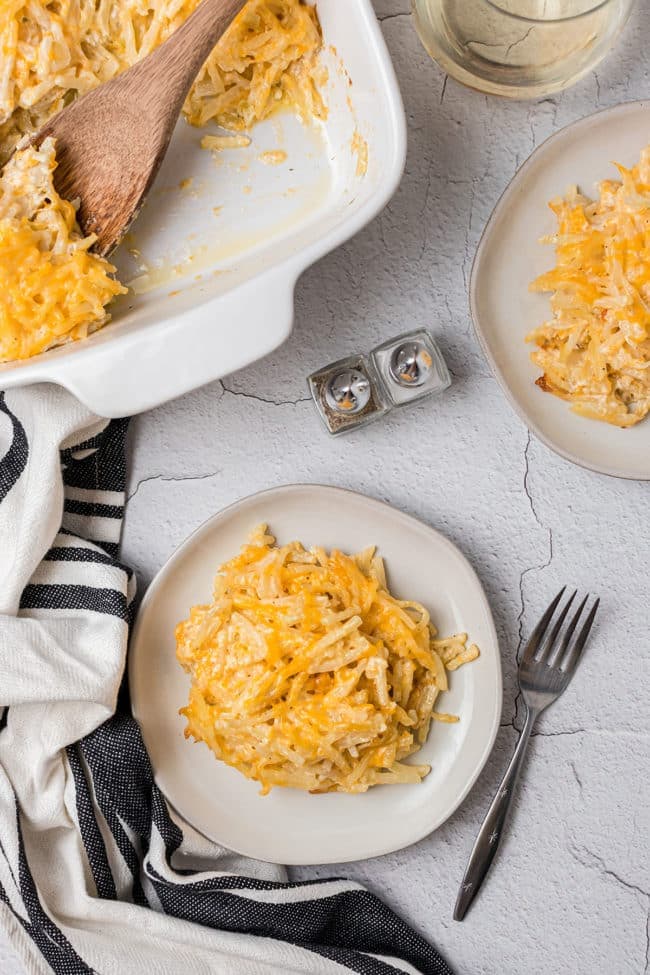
{"points": [[571, 893]]}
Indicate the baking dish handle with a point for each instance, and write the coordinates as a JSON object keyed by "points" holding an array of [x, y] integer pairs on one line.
{"points": [[140, 369]]}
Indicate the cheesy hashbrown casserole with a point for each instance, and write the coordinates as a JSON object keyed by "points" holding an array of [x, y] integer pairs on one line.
{"points": [[52, 51], [595, 351], [307, 673], [54, 289]]}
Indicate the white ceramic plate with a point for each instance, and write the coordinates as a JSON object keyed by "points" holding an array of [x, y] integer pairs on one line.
{"points": [[510, 256], [289, 826]]}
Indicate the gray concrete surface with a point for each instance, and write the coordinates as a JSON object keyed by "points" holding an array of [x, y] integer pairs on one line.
{"points": [[571, 893]]}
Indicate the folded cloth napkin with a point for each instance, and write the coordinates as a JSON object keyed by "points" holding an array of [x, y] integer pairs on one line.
{"points": [[96, 873]]}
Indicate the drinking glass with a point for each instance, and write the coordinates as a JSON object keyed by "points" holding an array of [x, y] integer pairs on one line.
{"points": [[519, 48]]}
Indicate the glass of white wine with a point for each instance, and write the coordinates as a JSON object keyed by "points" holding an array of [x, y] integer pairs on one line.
{"points": [[519, 48]]}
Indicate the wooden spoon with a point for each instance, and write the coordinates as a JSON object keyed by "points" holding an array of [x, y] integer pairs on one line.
{"points": [[110, 143]]}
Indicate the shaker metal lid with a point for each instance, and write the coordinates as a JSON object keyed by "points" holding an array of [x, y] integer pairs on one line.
{"points": [[410, 364], [348, 391]]}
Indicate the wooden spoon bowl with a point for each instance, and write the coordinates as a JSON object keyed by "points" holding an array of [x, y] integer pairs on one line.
{"points": [[111, 142]]}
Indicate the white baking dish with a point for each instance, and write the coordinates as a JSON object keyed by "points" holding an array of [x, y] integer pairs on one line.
{"points": [[225, 279]]}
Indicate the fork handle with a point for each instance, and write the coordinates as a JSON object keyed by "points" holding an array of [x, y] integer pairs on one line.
{"points": [[489, 836]]}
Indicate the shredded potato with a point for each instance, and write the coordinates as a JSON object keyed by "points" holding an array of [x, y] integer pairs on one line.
{"points": [[307, 673], [217, 143], [53, 290], [595, 352], [53, 50]]}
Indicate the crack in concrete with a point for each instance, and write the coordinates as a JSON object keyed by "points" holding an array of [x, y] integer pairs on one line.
{"points": [[474, 181], [539, 733], [530, 568], [560, 734], [597, 80], [425, 223], [169, 477], [477, 42], [518, 41], [383, 18], [262, 399], [444, 89], [590, 860], [576, 776], [554, 106], [568, 732], [469, 251]]}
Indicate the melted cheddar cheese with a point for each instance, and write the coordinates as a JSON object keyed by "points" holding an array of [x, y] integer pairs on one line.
{"points": [[53, 289], [307, 673]]}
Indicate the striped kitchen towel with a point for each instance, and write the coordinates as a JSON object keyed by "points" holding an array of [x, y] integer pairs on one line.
{"points": [[96, 873]]}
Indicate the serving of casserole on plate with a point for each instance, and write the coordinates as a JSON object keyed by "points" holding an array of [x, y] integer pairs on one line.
{"points": [[584, 389], [308, 673], [213, 259], [431, 763]]}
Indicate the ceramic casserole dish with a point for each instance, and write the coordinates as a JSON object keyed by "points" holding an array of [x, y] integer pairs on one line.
{"points": [[214, 257]]}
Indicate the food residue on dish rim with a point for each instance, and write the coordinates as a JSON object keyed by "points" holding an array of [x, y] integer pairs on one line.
{"points": [[185, 183], [359, 148], [203, 258], [217, 143], [154, 273], [273, 157], [163, 271]]}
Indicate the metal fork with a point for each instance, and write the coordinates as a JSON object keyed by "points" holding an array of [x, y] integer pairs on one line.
{"points": [[549, 662]]}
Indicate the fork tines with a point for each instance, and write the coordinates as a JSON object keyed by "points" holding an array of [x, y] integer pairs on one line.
{"points": [[558, 645]]}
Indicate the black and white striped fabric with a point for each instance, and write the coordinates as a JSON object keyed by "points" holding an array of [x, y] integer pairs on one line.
{"points": [[96, 873]]}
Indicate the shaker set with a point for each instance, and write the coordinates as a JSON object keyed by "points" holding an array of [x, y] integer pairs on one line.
{"points": [[361, 388]]}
